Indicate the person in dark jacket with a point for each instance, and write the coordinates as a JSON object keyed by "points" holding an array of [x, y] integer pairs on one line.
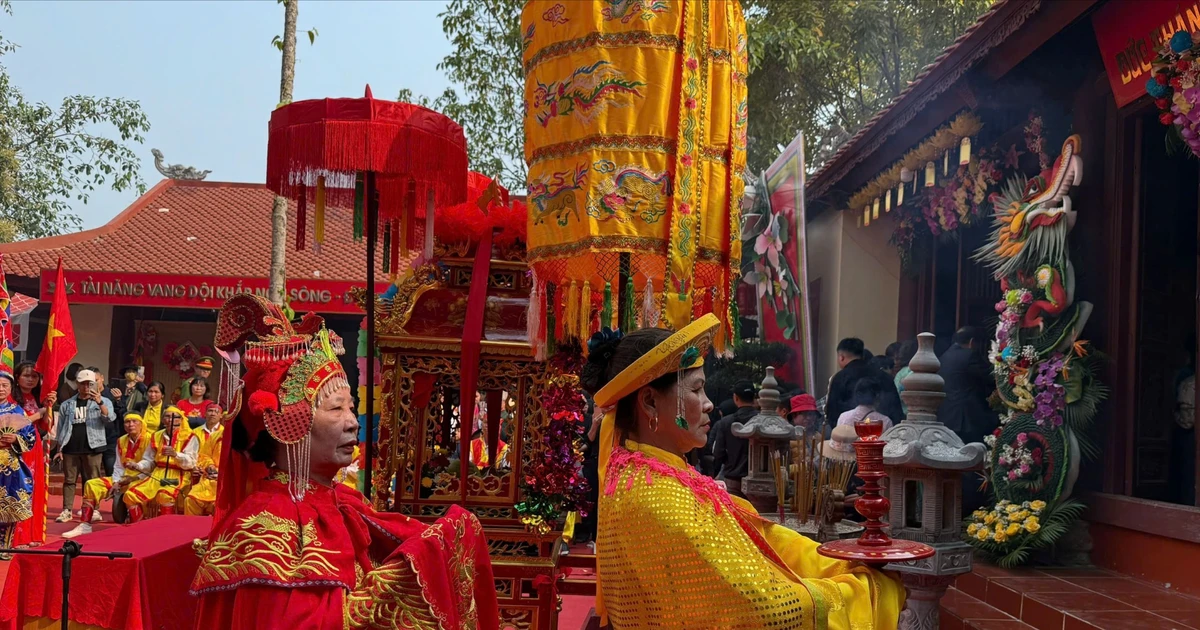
{"points": [[855, 364], [730, 452], [969, 382], [116, 398]]}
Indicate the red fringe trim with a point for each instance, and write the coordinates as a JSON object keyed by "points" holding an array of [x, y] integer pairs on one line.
{"points": [[339, 137], [301, 219]]}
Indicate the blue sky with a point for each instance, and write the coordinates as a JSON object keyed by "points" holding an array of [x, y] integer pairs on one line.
{"points": [[206, 73]]}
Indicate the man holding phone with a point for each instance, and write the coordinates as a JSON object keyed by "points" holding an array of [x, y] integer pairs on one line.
{"points": [[80, 436]]}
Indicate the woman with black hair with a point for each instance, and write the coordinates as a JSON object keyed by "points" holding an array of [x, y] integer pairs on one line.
{"points": [[196, 405], [674, 549], [866, 401], [155, 405]]}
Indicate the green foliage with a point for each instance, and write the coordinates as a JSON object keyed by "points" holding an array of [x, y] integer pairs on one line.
{"points": [[485, 68], [825, 68], [50, 156], [749, 363], [817, 66], [1055, 522]]}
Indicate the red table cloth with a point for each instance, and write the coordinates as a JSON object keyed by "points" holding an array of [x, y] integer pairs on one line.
{"points": [[149, 590]]}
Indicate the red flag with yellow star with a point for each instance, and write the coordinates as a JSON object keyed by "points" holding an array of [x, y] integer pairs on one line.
{"points": [[59, 347]]}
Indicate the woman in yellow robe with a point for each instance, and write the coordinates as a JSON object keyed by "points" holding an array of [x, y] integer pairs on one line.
{"points": [[674, 549]]}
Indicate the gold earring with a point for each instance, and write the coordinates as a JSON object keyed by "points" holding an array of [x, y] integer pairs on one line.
{"points": [[654, 423]]}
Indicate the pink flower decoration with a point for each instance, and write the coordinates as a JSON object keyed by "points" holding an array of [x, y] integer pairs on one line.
{"points": [[692, 64], [690, 103]]}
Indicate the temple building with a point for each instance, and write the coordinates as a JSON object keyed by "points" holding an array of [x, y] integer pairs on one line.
{"points": [[150, 281], [1023, 78]]}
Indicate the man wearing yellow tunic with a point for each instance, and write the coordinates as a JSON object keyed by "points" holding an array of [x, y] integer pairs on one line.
{"points": [[202, 495], [164, 463], [675, 550], [131, 447]]}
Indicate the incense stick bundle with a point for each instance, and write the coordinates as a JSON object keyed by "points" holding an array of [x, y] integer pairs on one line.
{"points": [[779, 473]]}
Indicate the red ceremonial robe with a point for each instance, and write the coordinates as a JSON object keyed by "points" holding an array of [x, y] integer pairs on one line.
{"points": [[330, 561]]}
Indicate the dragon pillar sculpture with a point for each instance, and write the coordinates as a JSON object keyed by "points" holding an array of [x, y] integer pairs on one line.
{"points": [[1045, 376]]}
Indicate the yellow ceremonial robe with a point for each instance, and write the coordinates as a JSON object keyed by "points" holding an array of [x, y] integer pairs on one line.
{"points": [[676, 551], [203, 494]]}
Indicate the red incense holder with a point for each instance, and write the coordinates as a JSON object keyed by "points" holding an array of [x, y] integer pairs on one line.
{"points": [[874, 547]]}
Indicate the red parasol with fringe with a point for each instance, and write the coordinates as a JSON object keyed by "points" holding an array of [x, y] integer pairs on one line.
{"points": [[384, 159], [324, 152]]}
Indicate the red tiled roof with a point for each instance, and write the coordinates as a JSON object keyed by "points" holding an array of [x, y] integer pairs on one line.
{"points": [[197, 228], [996, 24]]}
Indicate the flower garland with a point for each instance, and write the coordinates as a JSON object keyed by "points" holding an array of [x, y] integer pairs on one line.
{"points": [[932, 149], [1175, 86], [555, 485], [958, 202]]}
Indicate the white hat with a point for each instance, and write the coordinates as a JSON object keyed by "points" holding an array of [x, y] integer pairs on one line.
{"points": [[85, 375]]}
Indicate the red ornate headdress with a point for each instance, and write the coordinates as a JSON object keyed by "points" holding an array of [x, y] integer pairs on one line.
{"points": [[287, 370]]}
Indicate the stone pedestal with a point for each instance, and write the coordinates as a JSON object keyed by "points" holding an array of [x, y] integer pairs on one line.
{"points": [[925, 461]]}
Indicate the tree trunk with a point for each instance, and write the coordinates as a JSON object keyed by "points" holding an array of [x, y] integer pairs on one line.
{"points": [[287, 75]]}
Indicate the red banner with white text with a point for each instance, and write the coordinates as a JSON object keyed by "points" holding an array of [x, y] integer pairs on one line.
{"points": [[179, 291]]}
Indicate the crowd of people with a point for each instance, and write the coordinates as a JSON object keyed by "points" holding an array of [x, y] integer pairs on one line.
{"points": [[123, 443]]}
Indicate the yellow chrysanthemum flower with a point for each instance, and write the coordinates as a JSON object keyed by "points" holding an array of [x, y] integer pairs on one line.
{"points": [[971, 529], [1038, 506], [1032, 519], [1001, 537], [989, 519], [982, 535], [1013, 529], [1033, 527]]}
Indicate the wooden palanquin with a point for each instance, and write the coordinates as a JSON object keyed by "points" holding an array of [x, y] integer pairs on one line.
{"points": [[417, 469]]}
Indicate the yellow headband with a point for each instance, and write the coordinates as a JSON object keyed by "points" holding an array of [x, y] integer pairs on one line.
{"points": [[135, 416], [663, 358]]}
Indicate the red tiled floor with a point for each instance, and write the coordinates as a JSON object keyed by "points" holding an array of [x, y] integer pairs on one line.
{"points": [[1041, 616], [1069, 602], [1158, 602], [966, 607], [948, 621], [989, 571], [993, 624], [1004, 599], [972, 584], [1130, 620], [1069, 572], [1190, 619], [1115, 585], [1039, 585]]}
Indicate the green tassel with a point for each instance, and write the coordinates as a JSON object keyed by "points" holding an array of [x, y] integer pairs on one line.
{"points": [[360, 193], [628, 310], [387, 247], [681, 422], [736, 319], [606, 313]]}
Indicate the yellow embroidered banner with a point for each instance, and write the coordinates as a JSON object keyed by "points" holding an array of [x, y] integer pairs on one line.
{"points": [[635, 136]]}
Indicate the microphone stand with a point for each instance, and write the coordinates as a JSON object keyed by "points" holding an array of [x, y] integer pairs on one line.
{"points": [[69, 551]]}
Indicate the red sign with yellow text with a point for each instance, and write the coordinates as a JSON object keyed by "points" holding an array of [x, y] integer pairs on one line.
{"points": [[1130, 32], [176, 291]]}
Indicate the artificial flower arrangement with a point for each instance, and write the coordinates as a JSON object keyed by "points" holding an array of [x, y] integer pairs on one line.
{"points": [[1010, 532], [942, 210], [554, 486], [1046, 386], [1175, 86]]}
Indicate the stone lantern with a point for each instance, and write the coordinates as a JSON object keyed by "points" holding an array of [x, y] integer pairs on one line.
{"points": [[925, 463], [767, 433]]}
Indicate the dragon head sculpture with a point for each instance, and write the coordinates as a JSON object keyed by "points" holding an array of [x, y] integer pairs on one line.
{"points": [[1033, 217]]}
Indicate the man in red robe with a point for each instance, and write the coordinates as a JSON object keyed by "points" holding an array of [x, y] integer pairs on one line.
{"points": [[300, 550]]}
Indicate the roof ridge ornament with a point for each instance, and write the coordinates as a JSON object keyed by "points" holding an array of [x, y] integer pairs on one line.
{"points": [[177, 171]]}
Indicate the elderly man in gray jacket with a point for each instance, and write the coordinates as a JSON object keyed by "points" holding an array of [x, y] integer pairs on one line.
{"points": [[80, 437]]}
